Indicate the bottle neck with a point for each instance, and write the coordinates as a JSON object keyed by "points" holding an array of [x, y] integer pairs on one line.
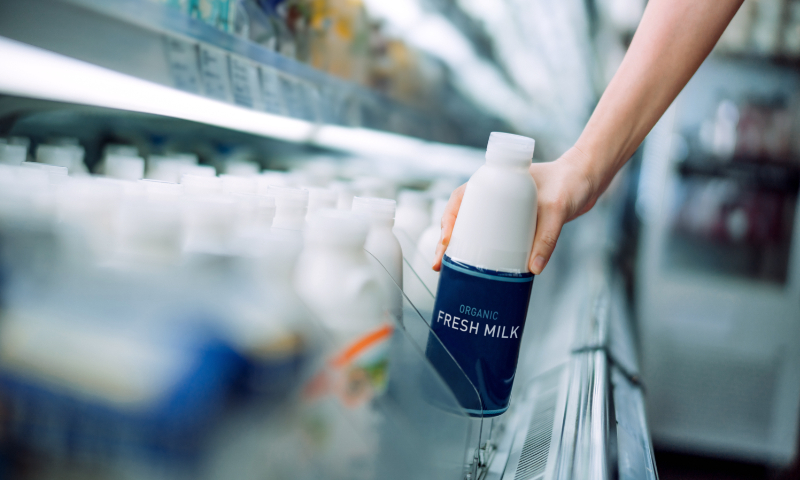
{"points": [[512, 165], [381, 223]]}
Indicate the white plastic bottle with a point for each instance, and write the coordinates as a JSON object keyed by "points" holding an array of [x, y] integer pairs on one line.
{"points": [[242, 167], [163, 169], [345, 194], [55, 175], [13, 154], [271, 178], [254, 213], [198, 170], [67, 156], [319, 198], [291, 205], [209, 223], [413, 217], [157, 189], [426, 248], [485, 284], [382, 243], [124, 167], [336, 280]]}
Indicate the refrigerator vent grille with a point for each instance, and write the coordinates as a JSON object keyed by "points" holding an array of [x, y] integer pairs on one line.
{"points": [[535, 450]]}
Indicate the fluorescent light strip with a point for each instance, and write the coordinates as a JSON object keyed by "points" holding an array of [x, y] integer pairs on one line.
{"points": [[36, 73]]}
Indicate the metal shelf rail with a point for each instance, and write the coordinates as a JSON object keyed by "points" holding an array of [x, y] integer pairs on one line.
{"points": [[582, 413]]}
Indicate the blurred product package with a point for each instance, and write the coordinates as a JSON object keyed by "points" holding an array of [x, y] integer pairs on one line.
{"points": [[334, 36], [155, 315]]}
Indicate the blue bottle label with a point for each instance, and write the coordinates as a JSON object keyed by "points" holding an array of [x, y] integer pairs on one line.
{"points": [[478, 317]]}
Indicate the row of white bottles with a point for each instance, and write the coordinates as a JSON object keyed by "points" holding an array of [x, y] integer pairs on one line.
{"points": [[422, 258], [123, 162]]}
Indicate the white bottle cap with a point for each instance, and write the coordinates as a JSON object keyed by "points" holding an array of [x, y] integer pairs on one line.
{"points": [[13, 154], [109, 149], [242, 168], [291, 205], [508, 149], [167, 168], [22, 141], [319, 198], [338, 228], [199, 170], [164, 170], [124, 167], [413, 198], [54, 155], [377, 209]]}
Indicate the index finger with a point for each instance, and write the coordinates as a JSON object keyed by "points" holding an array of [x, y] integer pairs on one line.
{"points": [[448, 221]]}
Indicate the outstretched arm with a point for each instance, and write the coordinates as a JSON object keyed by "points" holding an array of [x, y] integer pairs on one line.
{"points": [[672, 40]]}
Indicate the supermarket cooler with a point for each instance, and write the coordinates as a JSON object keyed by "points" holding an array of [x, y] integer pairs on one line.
{"points": [[580, 414], [577, 409]]}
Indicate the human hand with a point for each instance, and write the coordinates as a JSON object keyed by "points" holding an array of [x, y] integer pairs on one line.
{"points": [[565, 192]]}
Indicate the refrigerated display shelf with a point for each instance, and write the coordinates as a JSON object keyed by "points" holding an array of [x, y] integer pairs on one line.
{"points": [[196, 65]]}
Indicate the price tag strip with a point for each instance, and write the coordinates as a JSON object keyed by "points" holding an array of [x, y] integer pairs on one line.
{"points": [[214, 70], [271, 91], [183, 64], [245, 83]]}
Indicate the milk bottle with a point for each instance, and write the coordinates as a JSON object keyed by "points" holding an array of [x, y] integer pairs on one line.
{"points": [[413, 217], [382, 243], [335, 279], [426, 248], [291, 205], [485, 285]]}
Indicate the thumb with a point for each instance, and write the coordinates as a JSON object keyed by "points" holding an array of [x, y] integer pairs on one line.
{"points": [[448, 222], [548, 228]]}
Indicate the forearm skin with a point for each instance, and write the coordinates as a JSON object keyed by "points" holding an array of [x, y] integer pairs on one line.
{"points": [[672, 40]]}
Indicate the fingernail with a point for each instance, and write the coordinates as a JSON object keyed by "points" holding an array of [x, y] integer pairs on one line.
{"points": [[538, 264]]}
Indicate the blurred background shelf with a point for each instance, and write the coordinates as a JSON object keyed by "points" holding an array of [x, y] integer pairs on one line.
{"points": [[761, 172], [159, 44]]}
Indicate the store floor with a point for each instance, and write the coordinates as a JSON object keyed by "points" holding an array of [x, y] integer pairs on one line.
{"points": [[677, 466]]}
